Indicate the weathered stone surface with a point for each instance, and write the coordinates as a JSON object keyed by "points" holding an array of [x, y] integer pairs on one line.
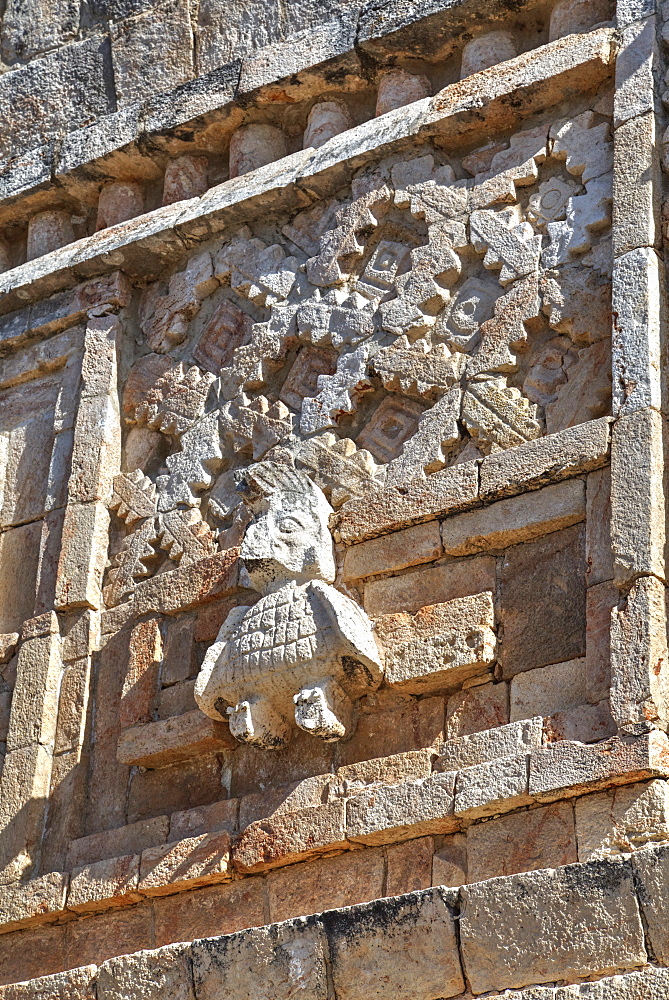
{"points": [[76, 984], [350, 878], [440, 646], [434, 585], [586, 917], [622, 820], [487, 50], [476, 709], [131, 839], [395, 812], [449, 864], [290, 837], [551, 630], [651, 869], [547, 690], [21, 905], [522, 842], [637, 299], [601, 602], [420, 543], [211, 818], [638, 533], [636, 179], [477, 748], [560, 766], [282, 960], [169, 741], [639, 683], [168, 35], [163, 973], [189, 863], [518, 519], [209, 912], [107, 883], [364, 944], [493, 787], [409, 866]]}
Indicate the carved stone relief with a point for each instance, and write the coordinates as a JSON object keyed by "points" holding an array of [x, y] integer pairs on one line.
{"points": [[304, 651], [441, 317]]}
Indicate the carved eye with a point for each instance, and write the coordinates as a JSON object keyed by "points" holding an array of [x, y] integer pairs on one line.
{"points": [[290, 525]]}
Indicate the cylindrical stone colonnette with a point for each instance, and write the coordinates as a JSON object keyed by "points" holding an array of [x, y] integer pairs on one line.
{"points": [[571, 17], [185, 177], [397, 87], [48, 231], [253, 146], [326, 120], [487, 50], [119, 201]]}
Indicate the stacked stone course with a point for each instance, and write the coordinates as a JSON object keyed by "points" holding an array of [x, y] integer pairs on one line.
{"points": [[333, 630]]}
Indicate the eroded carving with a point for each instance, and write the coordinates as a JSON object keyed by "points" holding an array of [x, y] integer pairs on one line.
{"points": [[304, 652]]}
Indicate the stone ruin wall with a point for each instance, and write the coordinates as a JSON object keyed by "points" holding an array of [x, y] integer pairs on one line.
{"points": [[412, 251]]}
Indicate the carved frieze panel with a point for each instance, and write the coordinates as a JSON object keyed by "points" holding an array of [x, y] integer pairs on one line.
{"points": [[440, 311]]}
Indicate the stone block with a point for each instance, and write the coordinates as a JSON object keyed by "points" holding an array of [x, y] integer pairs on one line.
{"points": [[216, 816], [601, 601], [167, 34], [583, 724], [141, 679], [547, 690], [639, 658], [449, 864], [100, 936], [26, 31], [177, 700], [637, 299], [185, 588], [494, 787], [170, 741], [440, 646], [179, 655], [163, 974], [477, 748], [365, 943], [75, 984], [651, 869], [305, 794], [409, 866], [255, 145], [566, 453], [35, 702], [636, 176], [106, 883], [131, 839], [350, 878], [476, 709], [290, 837], [400, 728], [24, 791], [195, 782], [45, 956], [622, 820], [517, 519], [559, 767], [586, 917], [598, 551], [551, 630], [443, 492], [83, 556], [389, 553], [523, 842], [575, 16], [638, 532], [209, 912], [281, 961], [433, 585], [19, 564], [397, 87], [352, 778], [390, 813], [44, 96], [189, 863], [33, 901], [47, 231], [637, 57]]}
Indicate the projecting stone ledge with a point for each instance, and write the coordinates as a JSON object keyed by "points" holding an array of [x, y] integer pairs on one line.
{"points": [[578, 922]]}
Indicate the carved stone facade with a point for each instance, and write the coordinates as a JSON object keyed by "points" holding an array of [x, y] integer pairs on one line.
{"points": [[333, 629]]}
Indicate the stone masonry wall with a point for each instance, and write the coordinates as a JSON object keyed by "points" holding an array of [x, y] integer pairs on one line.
{"points": [[409, 257]]}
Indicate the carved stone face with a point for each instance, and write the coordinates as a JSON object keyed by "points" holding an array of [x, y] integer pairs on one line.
{"points": [[289, 540]]}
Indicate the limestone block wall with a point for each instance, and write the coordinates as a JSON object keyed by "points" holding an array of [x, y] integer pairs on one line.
{"points": [[415, 254]]}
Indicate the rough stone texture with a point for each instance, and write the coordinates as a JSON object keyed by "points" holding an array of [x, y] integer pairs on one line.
{"points": [[291, 836], [553, 629], [639, 690], [191, 862], [353, 877], [622, 820], [163, 973], [547, 690], [434, 585], [390, 553], [586, 918], [495, 786], [106, 883], [282, 960], [477, 709], [522, 842], [77, 984], [651, 868], [503, 741], [394, 812], [365, 942]]}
